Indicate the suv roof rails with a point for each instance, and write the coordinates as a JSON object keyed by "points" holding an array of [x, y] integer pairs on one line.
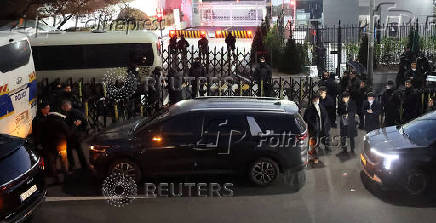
{"points": [[237, 97]]}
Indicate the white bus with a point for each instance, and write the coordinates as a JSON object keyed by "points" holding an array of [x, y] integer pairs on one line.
{"points": [[17, 85], [90, 55]]}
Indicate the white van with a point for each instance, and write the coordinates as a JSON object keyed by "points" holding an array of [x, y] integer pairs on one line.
{"points": [[17, 85], [90, 55]]}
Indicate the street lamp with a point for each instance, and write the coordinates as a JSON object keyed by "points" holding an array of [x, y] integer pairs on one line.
{"points": [[370, 62], [406, 11]]}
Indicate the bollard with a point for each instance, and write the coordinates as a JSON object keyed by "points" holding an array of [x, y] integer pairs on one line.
{"points": [[219, 88], [80, 91], [281, 89], [86, 110], [261, 88], [116, 112], [240, 88], [104, 89]]}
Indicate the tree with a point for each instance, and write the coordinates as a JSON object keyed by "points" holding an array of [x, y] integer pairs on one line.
{"points": [[129, 13], [15, 9], [414, 42], [257, 46], [293, 58]]}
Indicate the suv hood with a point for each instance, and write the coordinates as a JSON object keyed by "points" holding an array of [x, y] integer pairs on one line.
{"points": [[117, 132], [389, 140]]}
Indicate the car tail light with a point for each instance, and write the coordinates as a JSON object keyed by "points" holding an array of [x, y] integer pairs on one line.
{"points": [[41, 163], [303, 136]]}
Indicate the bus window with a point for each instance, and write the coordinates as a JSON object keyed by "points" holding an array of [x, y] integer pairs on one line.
{"points": [[92, 56], [18, 54]]}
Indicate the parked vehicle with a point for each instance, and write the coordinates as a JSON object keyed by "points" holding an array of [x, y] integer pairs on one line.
{"points": [[17, 85], [92, 55], [258, 137], [403, 156], [22, 188]]}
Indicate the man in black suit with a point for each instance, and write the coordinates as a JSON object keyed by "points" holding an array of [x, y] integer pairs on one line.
{"points": [[347, 112], [318, 123], [371, 111]]}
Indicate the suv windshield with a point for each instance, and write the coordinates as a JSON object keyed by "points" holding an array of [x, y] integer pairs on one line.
{"points": [[422, 132]]}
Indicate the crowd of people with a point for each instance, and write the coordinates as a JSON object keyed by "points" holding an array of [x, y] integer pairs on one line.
{"points": [[60, 126], [358, 107]]}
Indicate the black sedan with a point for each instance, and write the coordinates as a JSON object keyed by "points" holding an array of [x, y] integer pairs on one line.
{"points": [[22, 187], [402, 156]]}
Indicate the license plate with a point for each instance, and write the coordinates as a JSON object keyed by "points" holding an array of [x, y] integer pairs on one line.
{"points": [[363, 159], [28, 193]]}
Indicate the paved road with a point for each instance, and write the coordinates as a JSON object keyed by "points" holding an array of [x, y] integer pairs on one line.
{"points": [[334, 192]]}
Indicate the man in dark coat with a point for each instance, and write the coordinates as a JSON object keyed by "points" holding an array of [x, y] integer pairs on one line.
{"points": [[78, 125], [68, 95], [347, 112], [182, 46], [155, 92], [329, 104], [38, 125], [263, 74], [54, 135], [328, 80], [173, 45], [391, 105], [360, 97], [345, 82], [411, 103], [371, 111], [318, 123], [231, 42], [175, 81], [197, 71], [203, 46]]}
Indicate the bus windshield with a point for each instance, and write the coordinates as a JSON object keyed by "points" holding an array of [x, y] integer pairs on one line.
{"points": [[18, 55]]}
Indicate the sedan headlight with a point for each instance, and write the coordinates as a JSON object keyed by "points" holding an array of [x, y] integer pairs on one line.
{"points": [[388, 159]]}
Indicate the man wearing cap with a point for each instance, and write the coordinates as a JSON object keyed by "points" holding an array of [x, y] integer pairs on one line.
{"points": [[391, 105], [371, 112]]}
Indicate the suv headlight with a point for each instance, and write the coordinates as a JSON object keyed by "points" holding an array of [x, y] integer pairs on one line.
{"points": [[388, 159], [98, 149]]}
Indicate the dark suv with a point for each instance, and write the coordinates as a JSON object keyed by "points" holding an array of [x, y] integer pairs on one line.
{"points": [[22, 188], [260, 137]]}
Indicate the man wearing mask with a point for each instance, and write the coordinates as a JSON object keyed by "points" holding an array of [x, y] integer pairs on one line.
{"points": [[318, 124], [263, 74], [391, 105], [329, 104], [347, 112], [410, 103], [371, 112]]}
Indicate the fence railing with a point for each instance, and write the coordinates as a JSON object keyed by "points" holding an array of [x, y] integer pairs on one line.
{"points": [[102, 112]]}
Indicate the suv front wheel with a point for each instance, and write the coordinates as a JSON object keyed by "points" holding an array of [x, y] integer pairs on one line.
{"points": [[263, 172]]}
